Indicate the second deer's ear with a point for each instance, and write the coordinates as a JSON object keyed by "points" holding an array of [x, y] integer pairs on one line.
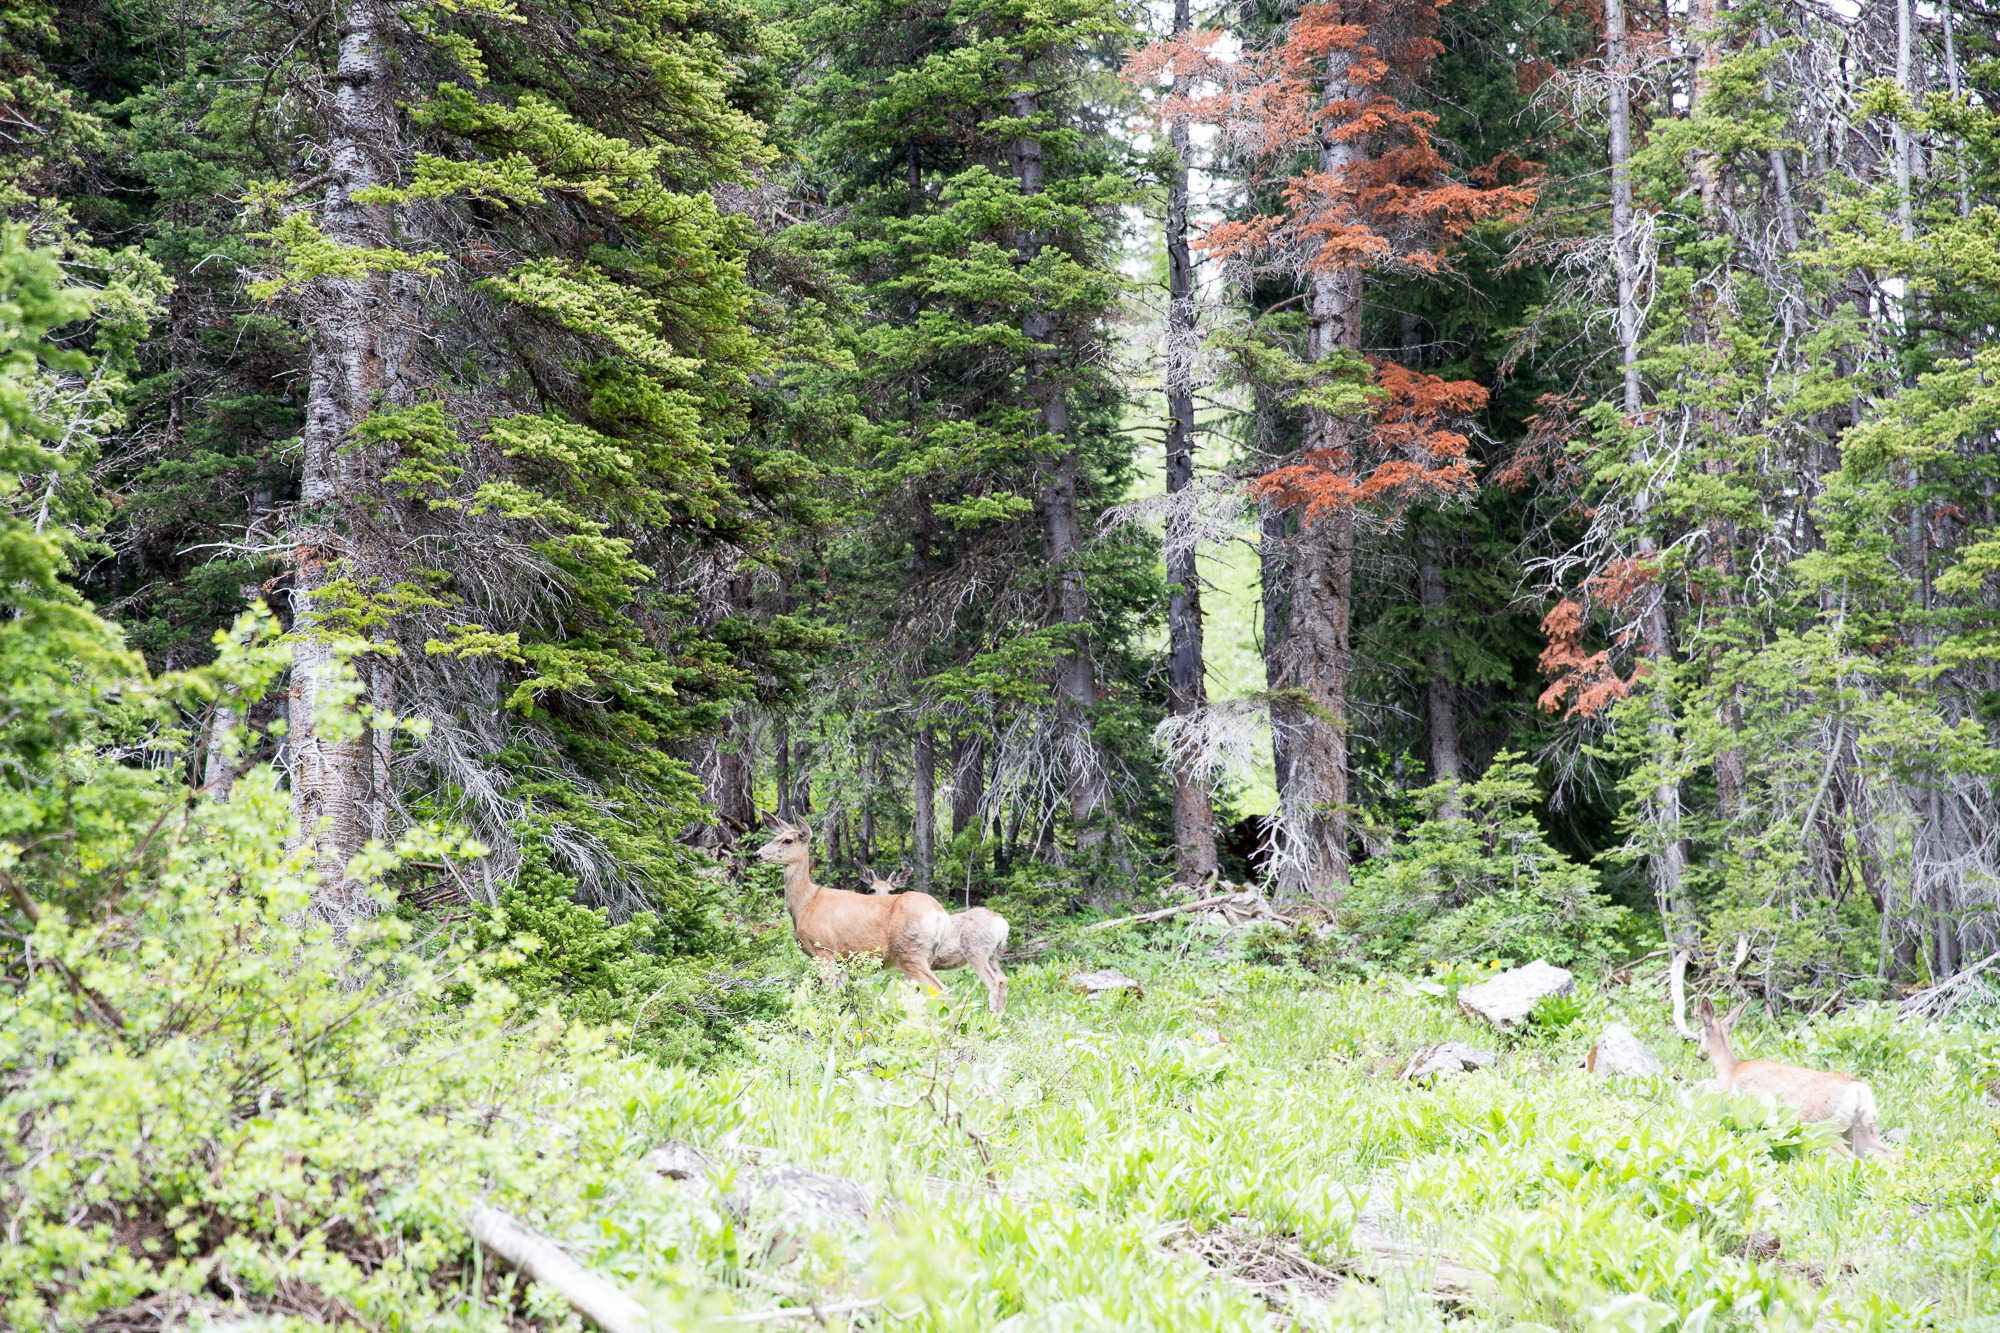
{"points": [[805, 830], [1734, 1014], [900, 878], [1707, 1010]]}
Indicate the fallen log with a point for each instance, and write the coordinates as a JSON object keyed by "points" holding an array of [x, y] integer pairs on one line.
{"points": [[540, 1259], [1243, 898]]}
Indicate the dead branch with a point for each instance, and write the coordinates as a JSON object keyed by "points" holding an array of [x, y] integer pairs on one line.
{"points": [[540, 1259]]}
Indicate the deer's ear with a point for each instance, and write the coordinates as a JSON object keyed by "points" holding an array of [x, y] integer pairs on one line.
{"points": [[900, 878], [805, 830], [1734, 1014], [768, 819], [1706, 1010]]}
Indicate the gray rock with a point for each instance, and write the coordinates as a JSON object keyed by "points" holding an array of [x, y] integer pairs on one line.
{"points": [[1449, 1057], [809, 1198], [678, 1161], [1617, 1053], [1108, 981], [1512, 996], [792, 1195]]}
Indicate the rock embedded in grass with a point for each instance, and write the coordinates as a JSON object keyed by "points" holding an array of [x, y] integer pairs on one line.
{"points": [[1449, 1057], [1619, 1054], [1512, 996], [1109, 981], [810, 1200]]}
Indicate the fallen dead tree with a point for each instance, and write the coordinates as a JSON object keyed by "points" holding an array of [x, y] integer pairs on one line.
{"points": [[541, 1260]]}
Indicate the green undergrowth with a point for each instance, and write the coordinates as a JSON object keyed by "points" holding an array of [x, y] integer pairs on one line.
{"points": [[257, 1135]]}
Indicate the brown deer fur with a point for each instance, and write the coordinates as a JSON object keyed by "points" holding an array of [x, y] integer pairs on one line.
{"points": [[904, 930], [1817, 1095], [975, 938]]}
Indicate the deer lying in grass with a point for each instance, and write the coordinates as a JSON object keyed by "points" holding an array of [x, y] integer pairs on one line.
{"points": [[909, 931], [975, 939], [1817, 1095]]}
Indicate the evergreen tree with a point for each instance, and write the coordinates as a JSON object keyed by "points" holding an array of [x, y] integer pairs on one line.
{"points": [[978, 185]]}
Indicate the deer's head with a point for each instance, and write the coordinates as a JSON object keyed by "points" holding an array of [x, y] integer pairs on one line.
{"points": [[790, 845], [881, 883], [1714, 1039]]}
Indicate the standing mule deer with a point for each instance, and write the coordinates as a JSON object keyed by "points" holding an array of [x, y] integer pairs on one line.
{"points": [[975, 938], [1817, 1095], [909, 931]]}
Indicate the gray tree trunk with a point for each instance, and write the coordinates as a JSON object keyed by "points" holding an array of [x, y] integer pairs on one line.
{"points": [[1440, 695], [1062, 531], [1669, 860], [360, 330], [1187, 691], [1310, 669], [968, 781], [923, 809]]}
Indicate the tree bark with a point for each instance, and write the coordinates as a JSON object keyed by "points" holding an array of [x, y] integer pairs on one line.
{"points": [[360, 330], [1440, 696], [923, 809], [1062, 527], [1668, 862], [870, 772], [1309, 683], [968, 781], [1187, 691], [781, 747]]}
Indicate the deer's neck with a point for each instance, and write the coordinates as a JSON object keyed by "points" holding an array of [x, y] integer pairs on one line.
{"points": [[799, 888], [1722, 1056]]}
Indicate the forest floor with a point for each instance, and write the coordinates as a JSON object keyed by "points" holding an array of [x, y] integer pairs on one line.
{"points": [[1233, 1146]]}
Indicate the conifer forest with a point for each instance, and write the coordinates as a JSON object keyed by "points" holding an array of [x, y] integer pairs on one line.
{"points": [[1410, 588]]}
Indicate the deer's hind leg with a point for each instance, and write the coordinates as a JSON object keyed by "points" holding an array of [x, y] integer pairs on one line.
{"points": [[990, 973], [919, 971]]}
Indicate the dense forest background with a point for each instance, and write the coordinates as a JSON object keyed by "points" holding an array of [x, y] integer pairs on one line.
{"points": [[624, 420]]}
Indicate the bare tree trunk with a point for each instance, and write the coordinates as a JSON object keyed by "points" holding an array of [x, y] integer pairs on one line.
{"points": [[1062, 530], [1730, 779], [871, 771], [923, 809], [802, 798], [968, 781], [1668, 863], [723, 761], [360, 329], [729, 779], [1309, 686], [1274, 574], [1440, 697], [1187, 691], [781, 746]]}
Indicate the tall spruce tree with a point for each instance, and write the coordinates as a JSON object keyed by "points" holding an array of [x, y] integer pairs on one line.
{"points": [[979, 184], [497, 286]]}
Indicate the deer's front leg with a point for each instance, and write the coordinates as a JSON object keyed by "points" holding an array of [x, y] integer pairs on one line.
{"points": [[829, 969]]}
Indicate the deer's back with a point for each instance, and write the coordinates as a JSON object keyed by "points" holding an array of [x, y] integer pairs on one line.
{"points": [[886, 926], [975, 932], [1815, 1094]]}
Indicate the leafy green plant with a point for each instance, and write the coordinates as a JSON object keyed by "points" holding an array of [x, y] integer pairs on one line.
{"points": [[1481, 886]]}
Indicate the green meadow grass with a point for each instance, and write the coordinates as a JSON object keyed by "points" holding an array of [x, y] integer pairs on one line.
{"points": [[1046, 1170]]}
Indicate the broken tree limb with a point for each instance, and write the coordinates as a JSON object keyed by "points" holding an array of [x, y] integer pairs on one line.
{"points": [[1677, 994], [815, 1312], [1245, 898], [540, 1259], [1937, 1001]]}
